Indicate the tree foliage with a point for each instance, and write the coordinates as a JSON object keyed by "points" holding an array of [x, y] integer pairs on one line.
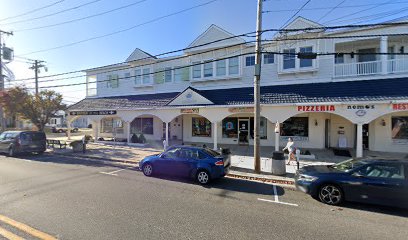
{"points": [[39, 109]]}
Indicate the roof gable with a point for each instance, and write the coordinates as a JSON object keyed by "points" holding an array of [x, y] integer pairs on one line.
{"points": [[214, 33], [189, 96], [139, 54], [301, 22]]}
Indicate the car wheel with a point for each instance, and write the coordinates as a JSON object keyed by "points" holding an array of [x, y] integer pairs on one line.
{"points": [[148, 169], [331, 194], [203, 177], [11, 152], [60, 131]]}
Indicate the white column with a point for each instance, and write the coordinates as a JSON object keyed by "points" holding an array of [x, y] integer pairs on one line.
{"points": [[277, 138], [215, 134], [167, 134], [97, 129], [384, 58], [128, 131], [69, 129], [359, 148]]}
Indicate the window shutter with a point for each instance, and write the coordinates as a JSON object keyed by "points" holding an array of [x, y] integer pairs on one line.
{"points": [[185, 74], [159, 76]]}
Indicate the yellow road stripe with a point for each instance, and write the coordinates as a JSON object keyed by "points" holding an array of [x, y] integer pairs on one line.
{"points": [[26, 228], [9, 235]]}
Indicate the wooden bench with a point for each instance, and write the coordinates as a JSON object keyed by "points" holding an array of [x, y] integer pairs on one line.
{"points": [[52, 143]]}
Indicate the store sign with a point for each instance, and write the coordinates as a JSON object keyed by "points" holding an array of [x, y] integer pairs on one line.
{"points": [[103, 112], [190, 110], [400, 106], [360, 107], [318, 108], [241, 110]]}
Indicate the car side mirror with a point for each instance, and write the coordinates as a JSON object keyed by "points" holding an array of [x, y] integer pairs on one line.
{"points": [[357, 174]]}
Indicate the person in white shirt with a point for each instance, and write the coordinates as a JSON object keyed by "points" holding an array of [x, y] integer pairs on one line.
{"points": [[290, 146]]}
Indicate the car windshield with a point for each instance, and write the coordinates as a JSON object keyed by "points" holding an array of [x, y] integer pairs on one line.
{"points": [[348, 165]]}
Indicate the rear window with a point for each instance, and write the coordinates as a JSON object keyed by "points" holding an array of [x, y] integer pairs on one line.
{"points": [[34, 136], [211, 152]]}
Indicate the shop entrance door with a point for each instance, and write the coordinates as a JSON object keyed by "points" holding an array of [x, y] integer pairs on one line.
{"points": [[243, 131], [327, 133]]}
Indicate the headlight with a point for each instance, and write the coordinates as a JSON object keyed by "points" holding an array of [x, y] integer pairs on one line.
{"points": [[307, 178]]}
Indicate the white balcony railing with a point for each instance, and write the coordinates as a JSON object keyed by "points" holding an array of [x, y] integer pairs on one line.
{"points": [[357, 69], [397, 65]]}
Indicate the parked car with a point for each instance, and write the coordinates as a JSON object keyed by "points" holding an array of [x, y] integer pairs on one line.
{"points": [[63, 129], [369, 180], [202, 164], [14, 142]]}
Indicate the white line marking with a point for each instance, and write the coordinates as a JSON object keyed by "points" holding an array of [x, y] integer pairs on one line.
{"points": [[113, 172], [275, 192], [285, 203]]}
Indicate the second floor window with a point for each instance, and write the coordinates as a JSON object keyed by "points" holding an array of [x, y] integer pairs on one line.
{"points": [[233, 66], [196, 70], [289, 58], [269, 58], [221, 68], [339, 58], [178, 74], [250, 61], [306, 62], [208, 69], [113, 81], [146, 75], [138, 76], [167, 74]]}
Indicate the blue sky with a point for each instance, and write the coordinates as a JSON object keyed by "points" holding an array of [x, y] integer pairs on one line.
{"points": [[175, 32]]}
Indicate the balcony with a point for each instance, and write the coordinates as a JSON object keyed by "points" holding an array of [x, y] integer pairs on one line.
{"points": [[398, 65]]}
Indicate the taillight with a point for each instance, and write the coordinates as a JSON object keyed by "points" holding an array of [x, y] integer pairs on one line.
{"points": [[219, 163]]}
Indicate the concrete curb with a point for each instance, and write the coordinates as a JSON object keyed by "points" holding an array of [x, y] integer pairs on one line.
{"points": [[268, 179]]}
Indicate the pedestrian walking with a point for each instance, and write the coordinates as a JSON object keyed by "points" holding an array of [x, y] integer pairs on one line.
{"points": [[290, 146]]}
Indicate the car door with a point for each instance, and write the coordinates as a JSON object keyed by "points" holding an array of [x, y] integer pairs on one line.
{"points": [[187, 161], [380, 183], [166, 164]]}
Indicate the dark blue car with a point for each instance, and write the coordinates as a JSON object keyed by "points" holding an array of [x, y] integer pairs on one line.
{"points": [[202, 164], [376, 181]]}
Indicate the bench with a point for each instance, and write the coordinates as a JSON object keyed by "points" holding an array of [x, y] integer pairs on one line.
{"points": [[61, 144]]}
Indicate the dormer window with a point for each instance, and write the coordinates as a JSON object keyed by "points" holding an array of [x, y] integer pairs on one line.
{"points": [[208, 69], [249, 61], [289, 58]]}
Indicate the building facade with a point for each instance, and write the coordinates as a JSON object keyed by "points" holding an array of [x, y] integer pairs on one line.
{"points": [[348, 96]]}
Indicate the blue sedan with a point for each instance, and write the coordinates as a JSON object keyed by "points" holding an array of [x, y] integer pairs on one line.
{"points": [[376, 181], [202, 164]]}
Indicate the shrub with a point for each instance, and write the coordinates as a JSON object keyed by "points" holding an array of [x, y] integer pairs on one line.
{"points": [[134, 138], [142, 138]]}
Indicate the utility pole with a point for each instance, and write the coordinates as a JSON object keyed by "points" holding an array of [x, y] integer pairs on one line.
{"points": [[2, 118], [257, 89], [36, 67]]}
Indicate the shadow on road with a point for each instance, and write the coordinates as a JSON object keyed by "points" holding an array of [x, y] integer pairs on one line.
{"points": [[400, 212]]}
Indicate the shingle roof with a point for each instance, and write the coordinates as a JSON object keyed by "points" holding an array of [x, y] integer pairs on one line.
{"points": [[367, 90]]}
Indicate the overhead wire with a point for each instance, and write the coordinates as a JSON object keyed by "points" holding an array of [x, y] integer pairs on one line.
{"points": [[33, 10], [330, 11], [294, 15], [82, 18]]}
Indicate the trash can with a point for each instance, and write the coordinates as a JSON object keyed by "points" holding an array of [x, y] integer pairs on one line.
{"points": [[278, 163]]}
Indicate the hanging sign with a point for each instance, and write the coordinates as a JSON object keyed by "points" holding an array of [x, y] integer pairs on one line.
{"points": [[241, 110], [317, 108], [190, 110], [102, 112]]}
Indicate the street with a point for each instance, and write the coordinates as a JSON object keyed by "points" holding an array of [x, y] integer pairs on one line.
{"points": [[71, 198]]}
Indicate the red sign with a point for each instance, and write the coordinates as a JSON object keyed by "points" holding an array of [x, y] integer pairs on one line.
{"points": [[319, 108], [400, 106]]}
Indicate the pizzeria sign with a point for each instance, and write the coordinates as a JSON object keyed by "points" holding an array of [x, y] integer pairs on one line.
{"points": [[102, 112]]}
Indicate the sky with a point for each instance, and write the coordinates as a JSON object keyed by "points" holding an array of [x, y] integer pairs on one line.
{"points": [[50, 30]]}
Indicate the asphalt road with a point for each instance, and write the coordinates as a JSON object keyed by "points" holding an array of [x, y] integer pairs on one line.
{"points": [[76, 199]]}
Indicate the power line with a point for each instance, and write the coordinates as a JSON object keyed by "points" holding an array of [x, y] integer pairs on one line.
{"points": [[32, 11], [55, 13], [331, 10], [325, 8], [364, 10], [235, 36], [373, 17], [300, 9], [123, 30], [80, 19]]}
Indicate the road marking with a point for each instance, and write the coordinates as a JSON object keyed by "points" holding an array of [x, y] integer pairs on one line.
{"points": [[116, 171], [275, 193], [284, 203], [9, 235], [25, 228]]}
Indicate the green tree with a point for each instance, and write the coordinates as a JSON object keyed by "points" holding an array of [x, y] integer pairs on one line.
{"points": [[39, 109]]}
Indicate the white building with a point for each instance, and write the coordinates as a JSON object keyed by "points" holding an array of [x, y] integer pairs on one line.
{"points": [[358, 99]]}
